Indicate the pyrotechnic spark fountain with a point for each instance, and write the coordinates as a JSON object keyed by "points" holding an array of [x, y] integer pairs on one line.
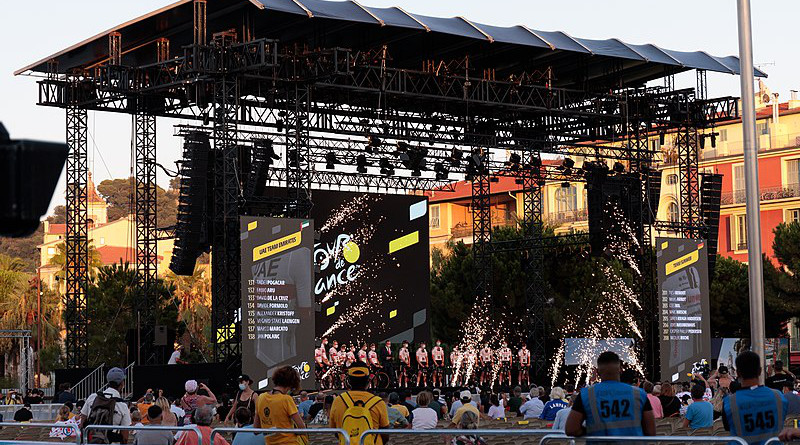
{"points": [[611, 318]]}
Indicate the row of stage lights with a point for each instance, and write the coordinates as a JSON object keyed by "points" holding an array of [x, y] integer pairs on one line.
{"points": [[414, 159]]}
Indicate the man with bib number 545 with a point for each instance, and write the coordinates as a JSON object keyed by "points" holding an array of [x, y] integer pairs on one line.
{"points": [[755, 413], [611, 408]]}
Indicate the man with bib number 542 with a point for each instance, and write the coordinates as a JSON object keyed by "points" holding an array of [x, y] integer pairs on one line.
{"points": [[611, 408], [755, 413]]}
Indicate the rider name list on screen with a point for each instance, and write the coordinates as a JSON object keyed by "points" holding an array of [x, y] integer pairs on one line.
{"points": [[684, 306], [277, 299]]}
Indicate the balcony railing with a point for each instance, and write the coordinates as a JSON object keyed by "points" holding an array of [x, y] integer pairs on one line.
{"points": [[568, 216], [434, 223], [741, 245], [464, 230], [767, 194]]}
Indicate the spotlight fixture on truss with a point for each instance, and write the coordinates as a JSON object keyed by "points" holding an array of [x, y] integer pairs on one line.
{"points": [[361, 163], [441, 170], [330, 160], [293, 158], [386, 167], [414, 159], [402, 147], [619, 167], [373, 143], [513, 162], [279, 122], [535, 162], [455, 157]]}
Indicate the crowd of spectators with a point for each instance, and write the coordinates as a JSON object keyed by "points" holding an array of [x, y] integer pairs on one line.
{"points": [[697, 404]]}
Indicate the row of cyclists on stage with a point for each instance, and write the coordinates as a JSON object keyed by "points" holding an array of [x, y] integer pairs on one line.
{"points": [[401, 368]]}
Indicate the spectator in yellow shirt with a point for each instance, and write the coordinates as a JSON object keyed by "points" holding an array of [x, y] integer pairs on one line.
{"points": [[276, 408]]}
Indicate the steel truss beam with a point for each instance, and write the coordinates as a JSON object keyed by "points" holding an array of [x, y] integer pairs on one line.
{"points": [[535, 288], [146, 237], [76, 240], [226, 298]]}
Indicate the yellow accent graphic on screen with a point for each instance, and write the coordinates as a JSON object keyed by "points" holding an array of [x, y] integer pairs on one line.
{"points": [[403, 242], [686, 260], [277, 246], [252, 226]]}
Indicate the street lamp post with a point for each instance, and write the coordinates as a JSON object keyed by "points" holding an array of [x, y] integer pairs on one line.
{"points": [[755, 267]]}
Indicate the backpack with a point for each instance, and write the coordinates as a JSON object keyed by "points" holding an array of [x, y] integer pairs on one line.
{"points": [[101, 413], [357, 418]]}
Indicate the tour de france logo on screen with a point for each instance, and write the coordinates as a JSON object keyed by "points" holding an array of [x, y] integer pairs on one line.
{"points": [[338, 263]]}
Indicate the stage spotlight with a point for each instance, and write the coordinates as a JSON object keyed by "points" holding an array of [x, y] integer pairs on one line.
{"points": [[386, 167], [702, 138], [535, 161], [402, 147], [661, 137], [330, 160], [441, 171], [713, 140], [361, 163], [494, 179], [279, 121], [513, 162], [455, 157], [414, 159], [293, 158], [567, 163], [619, 167]]}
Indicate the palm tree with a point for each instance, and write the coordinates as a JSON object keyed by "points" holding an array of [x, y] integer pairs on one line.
{"points": [[192, 295], [60, 260]]}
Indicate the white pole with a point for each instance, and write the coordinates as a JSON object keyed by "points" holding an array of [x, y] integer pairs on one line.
{"points": [[756, 272]]}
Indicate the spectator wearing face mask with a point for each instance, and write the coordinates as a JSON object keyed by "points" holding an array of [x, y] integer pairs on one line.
{"points": [[245, 398]]}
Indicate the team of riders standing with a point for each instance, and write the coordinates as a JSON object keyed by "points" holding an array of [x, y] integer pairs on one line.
{"points": [[464, 367]]}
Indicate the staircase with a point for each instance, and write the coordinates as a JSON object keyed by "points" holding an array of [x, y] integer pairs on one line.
{"points": [[90, 384]]}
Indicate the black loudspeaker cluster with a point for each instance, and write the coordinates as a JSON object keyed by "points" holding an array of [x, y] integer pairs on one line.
{"points": [[622, 191], [710, 201], [191, 230]]}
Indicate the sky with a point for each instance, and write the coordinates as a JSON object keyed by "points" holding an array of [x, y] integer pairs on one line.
{"points": [[33, 30]]}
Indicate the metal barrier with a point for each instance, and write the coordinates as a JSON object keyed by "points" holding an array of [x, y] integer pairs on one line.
{"points": [[645, 439], [299, 431], [144, 427], [447, 432], [90, 384], [42, 412], [23, 425], [776, 441]]}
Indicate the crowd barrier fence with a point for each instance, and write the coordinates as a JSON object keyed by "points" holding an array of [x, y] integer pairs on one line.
{"points": [[303, 431], [144, 427], [23, 425], [454, 432], [647, 439]]}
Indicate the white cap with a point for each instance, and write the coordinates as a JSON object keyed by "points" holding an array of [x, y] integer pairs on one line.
{"points": [[191, 386], [465, 394]]}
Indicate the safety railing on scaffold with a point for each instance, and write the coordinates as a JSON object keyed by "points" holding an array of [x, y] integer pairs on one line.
{"points": [[455, 432], [298, 431], [193, 428], [23, 425], [642, 439]]}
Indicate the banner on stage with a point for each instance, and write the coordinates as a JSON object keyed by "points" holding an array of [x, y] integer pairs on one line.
{"points": [[683, 305], [277, 297]]}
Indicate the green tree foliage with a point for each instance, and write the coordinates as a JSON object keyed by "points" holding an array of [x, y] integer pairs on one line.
{"points": [[110, 300], [572, 280], [119, 194], [24, 248], [786, 246], [59, 215], [19, 306], [730, 305]]}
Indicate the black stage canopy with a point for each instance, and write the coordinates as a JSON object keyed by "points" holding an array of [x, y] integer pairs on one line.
{"points": [[412, 38]]}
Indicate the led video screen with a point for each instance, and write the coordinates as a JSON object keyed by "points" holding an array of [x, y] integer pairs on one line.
{"points": [[372, 261]]}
